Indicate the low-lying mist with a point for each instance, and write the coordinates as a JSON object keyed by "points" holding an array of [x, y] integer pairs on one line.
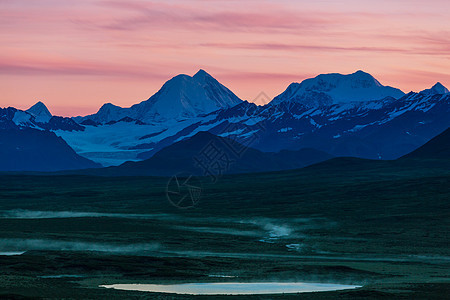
{"points": [[33, 214], [20, 245]]}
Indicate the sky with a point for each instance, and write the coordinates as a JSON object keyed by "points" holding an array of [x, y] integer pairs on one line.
{"points": [[75, 55]]}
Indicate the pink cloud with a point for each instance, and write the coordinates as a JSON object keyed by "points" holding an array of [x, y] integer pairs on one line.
{"points": [[49, 67], [203, 16], [297, 47]]}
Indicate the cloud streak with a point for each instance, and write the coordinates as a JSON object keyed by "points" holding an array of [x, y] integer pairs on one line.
{"points": [[57, 68], [259, 17]]}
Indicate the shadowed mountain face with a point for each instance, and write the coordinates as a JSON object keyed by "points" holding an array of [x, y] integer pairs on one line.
{"points": [[210, 155], [27, 143], [28, 149], [436, 148]]}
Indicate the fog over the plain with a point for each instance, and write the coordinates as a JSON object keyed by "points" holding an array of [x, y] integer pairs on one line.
{"points": [[30, 214], [16, 245]]}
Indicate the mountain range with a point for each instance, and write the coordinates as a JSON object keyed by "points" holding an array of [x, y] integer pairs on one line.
{"points": [[333, 114]]}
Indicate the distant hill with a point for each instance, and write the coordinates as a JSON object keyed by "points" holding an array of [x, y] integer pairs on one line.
{"points": [[207, 154], [28, 149], [438, 147]]}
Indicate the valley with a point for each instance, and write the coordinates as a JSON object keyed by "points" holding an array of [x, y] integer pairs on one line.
{"points": [[380, 225]]}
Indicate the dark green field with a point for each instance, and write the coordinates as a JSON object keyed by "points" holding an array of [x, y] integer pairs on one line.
{"points": [[382, 225]]}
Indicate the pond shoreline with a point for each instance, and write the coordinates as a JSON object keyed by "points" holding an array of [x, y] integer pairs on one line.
{"points": [[233, 288]]}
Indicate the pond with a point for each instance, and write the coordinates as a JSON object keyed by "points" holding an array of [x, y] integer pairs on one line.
{"points": [[233, 288]]}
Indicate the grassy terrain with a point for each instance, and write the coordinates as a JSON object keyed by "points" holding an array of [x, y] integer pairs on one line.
{"points": [[382, 225]]}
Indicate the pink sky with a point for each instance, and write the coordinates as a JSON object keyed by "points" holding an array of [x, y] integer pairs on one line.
{"points": [[77, 55]]}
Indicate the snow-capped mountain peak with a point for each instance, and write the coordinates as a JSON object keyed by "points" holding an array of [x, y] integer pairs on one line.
{"points": [[40, 112], [182, 97], [437, 89], [109, 111], [201, 75], [328, 89], [326, 82]]}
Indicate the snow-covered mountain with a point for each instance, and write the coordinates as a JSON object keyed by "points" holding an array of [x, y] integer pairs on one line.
{"points": [[386, 128], [378, 129], [180, 98], [328, 89], [40, 112], [37, 117], [437, 89]]}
